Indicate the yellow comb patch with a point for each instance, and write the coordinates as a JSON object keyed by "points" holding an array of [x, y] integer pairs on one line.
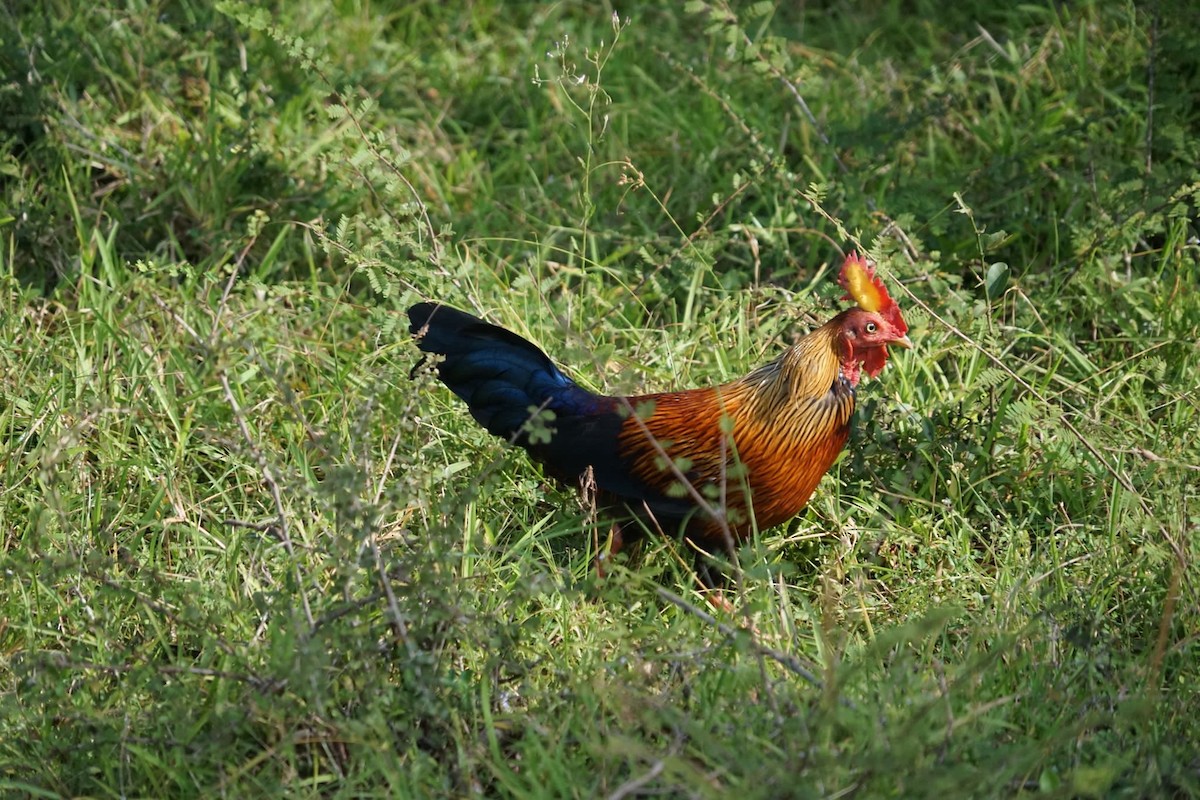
{"points": [[861, 287]]}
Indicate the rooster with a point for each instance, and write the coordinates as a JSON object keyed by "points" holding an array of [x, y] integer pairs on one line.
{"points": [[714, 463]]}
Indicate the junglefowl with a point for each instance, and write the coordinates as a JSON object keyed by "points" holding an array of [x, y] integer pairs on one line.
{"points": [[714, 463]]}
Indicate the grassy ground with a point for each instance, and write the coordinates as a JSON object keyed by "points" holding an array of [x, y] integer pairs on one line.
{"points": [[244, 554]]}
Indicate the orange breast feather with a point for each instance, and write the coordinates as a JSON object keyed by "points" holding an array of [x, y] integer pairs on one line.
{"points": [[761, 453]]}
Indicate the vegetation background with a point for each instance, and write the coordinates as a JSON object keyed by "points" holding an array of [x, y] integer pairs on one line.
{"points": [[245, 554]]}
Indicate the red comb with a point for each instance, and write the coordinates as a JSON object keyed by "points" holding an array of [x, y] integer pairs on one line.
{"points": [[863, 287]]}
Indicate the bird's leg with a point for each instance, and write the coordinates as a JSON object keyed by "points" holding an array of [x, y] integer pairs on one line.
{"points": [[713, 581], [707, 568], [616, 540], [717, 599]]}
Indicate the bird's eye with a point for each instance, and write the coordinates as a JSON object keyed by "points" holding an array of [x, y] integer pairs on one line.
{"points": [[871, 327]]}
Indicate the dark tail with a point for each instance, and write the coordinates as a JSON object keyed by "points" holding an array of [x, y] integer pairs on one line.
{"points": [[503, 378], [506, 380]]}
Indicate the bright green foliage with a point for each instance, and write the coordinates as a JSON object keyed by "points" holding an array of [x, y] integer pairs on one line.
{"points": [[246, 554]]}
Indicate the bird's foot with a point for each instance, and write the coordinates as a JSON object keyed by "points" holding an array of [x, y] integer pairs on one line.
{"points": [[609, 549]]}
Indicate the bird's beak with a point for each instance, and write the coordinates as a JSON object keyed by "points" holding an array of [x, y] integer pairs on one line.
{"points": [[904, 342]]}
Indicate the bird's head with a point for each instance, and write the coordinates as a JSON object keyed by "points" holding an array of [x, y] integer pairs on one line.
{"points": [[865, 332], [863, 337]]}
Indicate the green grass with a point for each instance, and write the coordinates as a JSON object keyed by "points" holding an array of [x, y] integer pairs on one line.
{"points": [[245, 554]]}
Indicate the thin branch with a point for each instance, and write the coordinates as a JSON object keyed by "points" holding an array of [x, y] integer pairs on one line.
{"points": [[1150, 88], [261, 527], [435, 247], [633, 784], [227, 291], [787, 660], [264, 684], [276, 495], [1024, 384], [398, 622], [1112, 470]]}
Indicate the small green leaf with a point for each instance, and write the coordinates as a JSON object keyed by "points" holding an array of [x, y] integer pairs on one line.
{"points": [[991, 241], [1049, 781], [997, 279]]}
